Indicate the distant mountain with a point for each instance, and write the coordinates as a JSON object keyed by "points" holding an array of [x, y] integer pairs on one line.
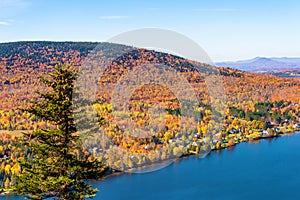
{"points": [[264, 65], [287, 60]]}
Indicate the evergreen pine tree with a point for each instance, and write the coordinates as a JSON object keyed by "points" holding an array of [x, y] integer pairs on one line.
{"points": [[55, 169]]}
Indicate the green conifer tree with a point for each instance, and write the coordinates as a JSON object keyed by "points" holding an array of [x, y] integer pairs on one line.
{"points": [[55, 169]]}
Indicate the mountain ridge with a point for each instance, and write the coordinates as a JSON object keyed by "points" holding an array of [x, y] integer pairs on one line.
{"points": [[263, 64]]}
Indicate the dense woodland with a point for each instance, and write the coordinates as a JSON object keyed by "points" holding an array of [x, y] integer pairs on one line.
{"points": [[256, 105]]}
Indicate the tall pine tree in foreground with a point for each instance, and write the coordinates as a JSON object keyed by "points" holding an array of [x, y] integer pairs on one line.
{"points": [[56, 168]]}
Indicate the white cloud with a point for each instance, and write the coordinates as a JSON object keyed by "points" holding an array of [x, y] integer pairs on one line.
{"points": [[112, 17], [4, 23], [215, 9], [12, 3]]}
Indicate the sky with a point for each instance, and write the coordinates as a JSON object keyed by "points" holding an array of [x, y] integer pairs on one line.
{"points": [[225, 29]]}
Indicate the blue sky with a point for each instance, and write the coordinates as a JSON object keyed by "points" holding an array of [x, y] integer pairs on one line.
{"points": [[226, 29]]}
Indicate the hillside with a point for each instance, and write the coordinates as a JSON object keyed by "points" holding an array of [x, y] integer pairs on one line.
{"points": [[256, 105], [21, 64]]}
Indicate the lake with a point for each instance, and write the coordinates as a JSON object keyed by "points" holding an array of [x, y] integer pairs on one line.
{"points": [[268, 169]]}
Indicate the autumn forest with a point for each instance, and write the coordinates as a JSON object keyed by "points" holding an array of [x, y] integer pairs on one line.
{"points": [[254, 106]]}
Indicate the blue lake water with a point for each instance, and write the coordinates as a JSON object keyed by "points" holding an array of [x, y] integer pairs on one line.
{"points": [[269, 169]]}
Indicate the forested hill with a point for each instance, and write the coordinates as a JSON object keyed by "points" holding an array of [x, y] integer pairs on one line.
{"points": [[21, 63], [25, 48]]}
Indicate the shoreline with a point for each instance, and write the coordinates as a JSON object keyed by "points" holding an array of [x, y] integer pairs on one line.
{"points": [[112, 172], [118, 173], [6, 192]]}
